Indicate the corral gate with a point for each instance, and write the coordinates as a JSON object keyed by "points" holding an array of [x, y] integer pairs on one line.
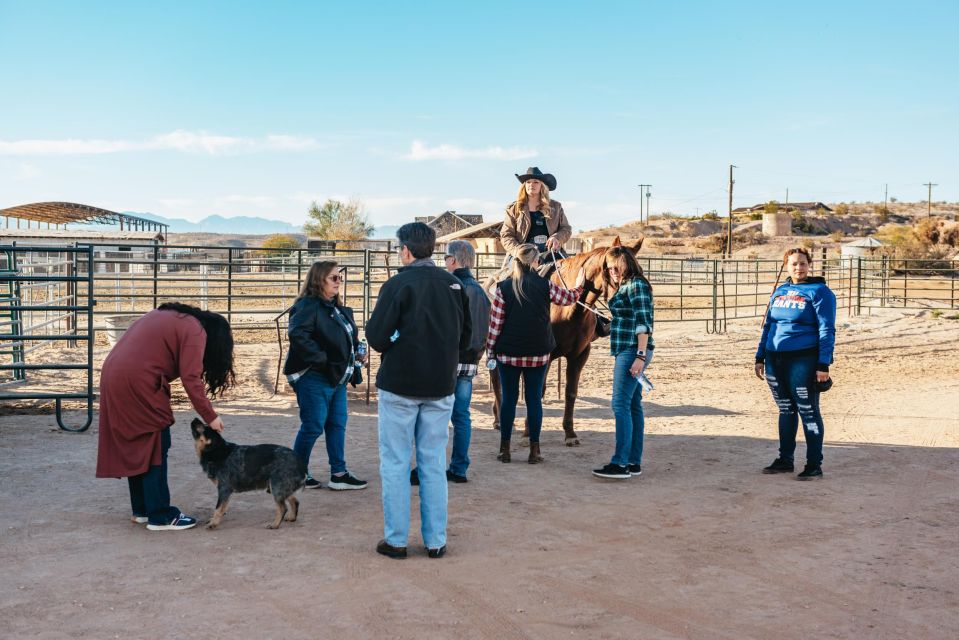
{"points": [[46, 308]]}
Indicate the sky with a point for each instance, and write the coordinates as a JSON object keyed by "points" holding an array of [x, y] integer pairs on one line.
{"points": [[189, 109]]}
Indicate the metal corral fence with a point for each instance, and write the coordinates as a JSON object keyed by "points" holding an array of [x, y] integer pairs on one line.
{"points": [[254, 286], [51, 297]]}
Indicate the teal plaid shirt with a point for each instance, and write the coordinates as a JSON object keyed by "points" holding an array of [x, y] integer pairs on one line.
{"points": [[632, 308]]}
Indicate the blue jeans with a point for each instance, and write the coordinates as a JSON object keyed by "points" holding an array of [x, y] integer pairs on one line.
{"points": [[533, 378], [322, 409], [150, 492], [627, 406], [403, 420], [462, 426], [792, 380]]}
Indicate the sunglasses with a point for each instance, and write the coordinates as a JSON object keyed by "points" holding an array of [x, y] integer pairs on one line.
{"points": [[335, 278]]}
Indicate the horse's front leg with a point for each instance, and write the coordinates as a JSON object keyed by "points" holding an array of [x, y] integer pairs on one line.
{"points": [[574, 367]]}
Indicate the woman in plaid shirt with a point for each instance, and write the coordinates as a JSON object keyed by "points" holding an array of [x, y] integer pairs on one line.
{"points": [[631, 343], [521, 339]]}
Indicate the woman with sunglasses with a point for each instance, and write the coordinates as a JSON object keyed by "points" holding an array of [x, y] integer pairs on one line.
{"points": [[794, 354], [322, 359], [631, 344]]}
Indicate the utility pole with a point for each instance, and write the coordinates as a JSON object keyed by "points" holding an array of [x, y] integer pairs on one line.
{"points": [[929, 200], [641, 187], [787, 198], [885, 199], [729, 227]]}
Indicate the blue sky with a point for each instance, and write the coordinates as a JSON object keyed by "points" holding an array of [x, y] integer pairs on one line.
{"points": [[242, 108]]}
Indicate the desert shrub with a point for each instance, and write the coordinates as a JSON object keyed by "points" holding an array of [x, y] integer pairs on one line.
{"points": [[281, 241], [809, 243], [757, 215], [950, 236], [750, 238], [841, 209], [715, 243], [928, 232], [800, 223], [836, 236], [771, 207], [711, 215]]}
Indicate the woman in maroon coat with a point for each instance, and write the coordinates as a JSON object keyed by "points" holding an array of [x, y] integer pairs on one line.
{"points": [[173, 341]]}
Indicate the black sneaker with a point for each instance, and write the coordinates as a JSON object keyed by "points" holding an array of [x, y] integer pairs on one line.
{"points": [[414, 477], [384, 548], [179, 523], [312, 483], [779, 465], [635, 470], [437, 553], [453, 477], [345, 482], [811, 472], [615, 471]]}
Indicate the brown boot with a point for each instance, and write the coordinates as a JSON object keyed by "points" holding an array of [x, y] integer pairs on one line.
{"points": [[503, 452], [534, 457]]}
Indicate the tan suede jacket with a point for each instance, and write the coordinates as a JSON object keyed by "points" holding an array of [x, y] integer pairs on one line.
{"points": [[513, 232]]}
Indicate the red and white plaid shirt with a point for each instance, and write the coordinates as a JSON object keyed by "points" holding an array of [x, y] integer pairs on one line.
{"points": [[557, 295]]}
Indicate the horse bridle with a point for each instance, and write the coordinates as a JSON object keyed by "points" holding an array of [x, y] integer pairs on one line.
{"points": [[587, 288]]}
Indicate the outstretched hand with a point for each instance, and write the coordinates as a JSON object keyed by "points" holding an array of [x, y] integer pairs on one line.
{"points": [[581, 278]]}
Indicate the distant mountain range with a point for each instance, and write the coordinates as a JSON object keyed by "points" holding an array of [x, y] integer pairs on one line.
{"points": [[249, 225], [219, 224]]}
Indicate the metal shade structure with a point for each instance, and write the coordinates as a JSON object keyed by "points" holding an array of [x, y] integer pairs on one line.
{"points": [[58, 213]]}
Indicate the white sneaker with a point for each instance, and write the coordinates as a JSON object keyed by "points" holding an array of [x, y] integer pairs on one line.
{"points": [[139, 519]]}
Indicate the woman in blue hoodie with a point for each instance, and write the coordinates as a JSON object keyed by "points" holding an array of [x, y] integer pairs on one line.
{"points": [[794, 355]]}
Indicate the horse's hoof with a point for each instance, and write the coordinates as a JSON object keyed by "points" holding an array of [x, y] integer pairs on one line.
{"points": [[524, 441], [572, 442]]}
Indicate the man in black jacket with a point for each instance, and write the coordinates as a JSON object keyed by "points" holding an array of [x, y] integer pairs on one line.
{"points": [[419, 324]]}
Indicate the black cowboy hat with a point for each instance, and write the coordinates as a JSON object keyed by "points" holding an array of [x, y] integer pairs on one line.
{"points": [[533, 173]]}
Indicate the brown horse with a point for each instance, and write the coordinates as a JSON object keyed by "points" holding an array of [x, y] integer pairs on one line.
{"points": [[574, 328]]}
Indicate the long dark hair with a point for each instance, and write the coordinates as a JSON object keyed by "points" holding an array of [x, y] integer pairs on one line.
{"points": [[626, 259], [218, 354]]}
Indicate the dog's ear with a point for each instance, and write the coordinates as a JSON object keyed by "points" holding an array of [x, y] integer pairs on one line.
{"points": [[197, 427]]}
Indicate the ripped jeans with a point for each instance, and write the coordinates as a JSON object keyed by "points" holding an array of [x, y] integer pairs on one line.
{"points": [[792, 380]]}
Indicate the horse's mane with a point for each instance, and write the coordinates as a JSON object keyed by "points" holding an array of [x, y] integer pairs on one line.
{"points": [[580, 259]]}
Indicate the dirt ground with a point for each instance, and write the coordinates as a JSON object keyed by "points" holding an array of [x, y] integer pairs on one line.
{"points": [[702, 545]]}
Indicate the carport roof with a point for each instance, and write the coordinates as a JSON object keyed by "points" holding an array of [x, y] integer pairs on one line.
{"points": [[64, 212]]}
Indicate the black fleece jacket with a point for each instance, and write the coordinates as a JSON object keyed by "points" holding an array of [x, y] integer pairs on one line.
{"points": [[429, 308]]}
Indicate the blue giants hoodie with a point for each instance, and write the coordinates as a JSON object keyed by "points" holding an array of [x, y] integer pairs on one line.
{"points": [[801, 317]]}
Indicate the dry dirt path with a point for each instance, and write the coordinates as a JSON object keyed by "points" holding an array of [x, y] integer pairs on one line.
{"points": [[700, 546]]}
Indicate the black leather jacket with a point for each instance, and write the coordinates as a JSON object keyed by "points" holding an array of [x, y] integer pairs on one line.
{"points": [[318, 339]]}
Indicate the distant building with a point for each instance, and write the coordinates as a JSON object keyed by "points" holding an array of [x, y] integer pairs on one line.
{"points": [[450, 222], [788, 207]]}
